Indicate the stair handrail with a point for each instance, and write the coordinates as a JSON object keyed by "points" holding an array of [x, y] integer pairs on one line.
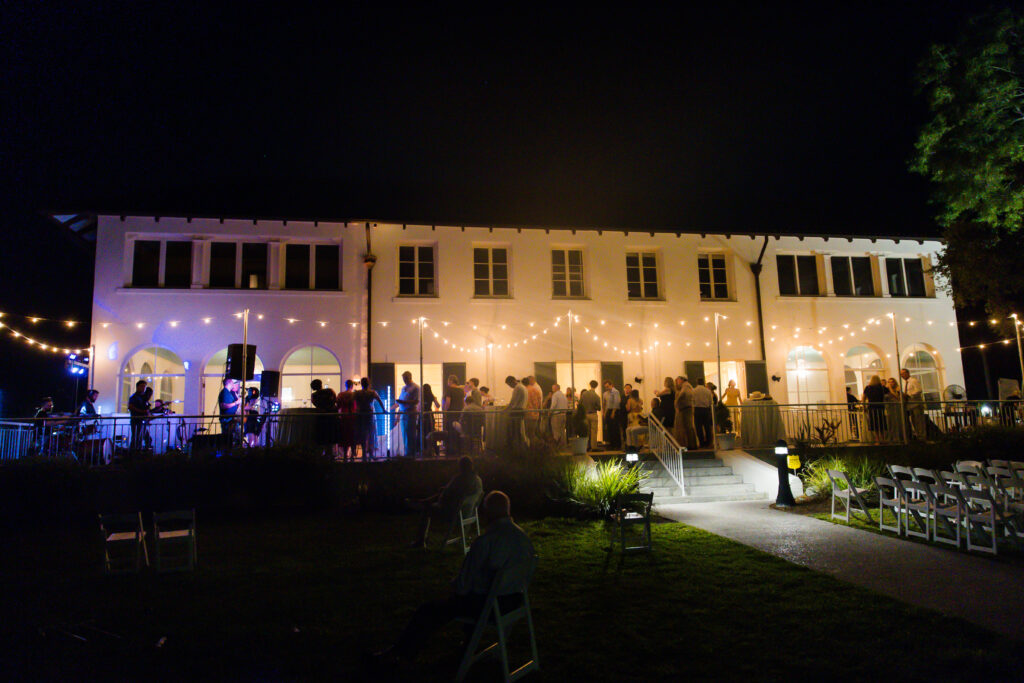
{"points": [[667, 450]]}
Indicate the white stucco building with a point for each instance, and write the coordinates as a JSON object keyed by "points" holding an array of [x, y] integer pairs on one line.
{"points": [[496, 302]]}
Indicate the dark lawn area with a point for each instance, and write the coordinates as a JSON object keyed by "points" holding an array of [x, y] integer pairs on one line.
{"points": [[298, 597]]}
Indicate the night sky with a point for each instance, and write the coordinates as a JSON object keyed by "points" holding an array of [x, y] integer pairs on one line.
{"points": [[734, 118]]}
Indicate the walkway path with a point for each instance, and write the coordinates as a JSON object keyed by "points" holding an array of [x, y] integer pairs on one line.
{"points": [[987, 592]]}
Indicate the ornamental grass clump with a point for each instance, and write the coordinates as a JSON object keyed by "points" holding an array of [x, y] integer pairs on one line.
{"points": [[597, 487], [860, 470]]}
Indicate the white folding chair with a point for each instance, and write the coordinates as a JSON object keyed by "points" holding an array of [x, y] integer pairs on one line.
{"points": [[175, 535], [492, 616], [889, 497], [901, 472], [947, 515], [983, 515], [917, 507], [466, 517], [849, 496], [123, 531], [926, 476]]}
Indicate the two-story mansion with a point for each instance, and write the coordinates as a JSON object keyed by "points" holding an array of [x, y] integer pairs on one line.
{"points": [[798, 316]]}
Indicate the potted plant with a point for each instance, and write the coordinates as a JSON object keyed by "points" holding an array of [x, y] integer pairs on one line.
{"points": [[579, 432]]}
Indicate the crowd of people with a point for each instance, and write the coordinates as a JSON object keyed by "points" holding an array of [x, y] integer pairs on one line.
{"points": [[892, 412]]}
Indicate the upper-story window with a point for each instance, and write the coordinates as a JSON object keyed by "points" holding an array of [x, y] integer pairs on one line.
{"points": [[798, 275], [416, 271], [712, 276], [160, 263], [905, 277], [312, 266], [567, 273], [642, 275], [254, 265], [851, 276], [490, 271], [222, 264]]}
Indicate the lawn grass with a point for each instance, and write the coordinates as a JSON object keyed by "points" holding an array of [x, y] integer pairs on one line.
{"points": [[1007, 550], [299, 597]]}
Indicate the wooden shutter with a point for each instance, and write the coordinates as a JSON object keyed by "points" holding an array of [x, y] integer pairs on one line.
{"points": [[546, 375], [611, 372], [757, 376], [693, 370], [382, 379], [457, 369]]}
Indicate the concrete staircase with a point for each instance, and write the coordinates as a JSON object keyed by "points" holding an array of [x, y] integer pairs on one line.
{"points": [[706, 479]]}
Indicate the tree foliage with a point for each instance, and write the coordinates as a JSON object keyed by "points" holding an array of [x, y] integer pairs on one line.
{"points": [[972, 151]]}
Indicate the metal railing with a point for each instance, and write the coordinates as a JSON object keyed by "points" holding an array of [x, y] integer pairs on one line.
{"points": [[103, 439], [15, 439], [762, 423], [668, 452]]}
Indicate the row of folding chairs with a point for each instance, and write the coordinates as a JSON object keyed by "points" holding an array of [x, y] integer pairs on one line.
{"points": [[976, 504], [124, 541]]}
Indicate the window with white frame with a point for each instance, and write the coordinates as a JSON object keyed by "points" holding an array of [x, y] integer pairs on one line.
{"points": [[806, 376], [905, 277], [712, 277], [416, 270], [162, 263], [851, 276], [490, 271], [798, 274], [642, 275], [567, 273], [312, 266]]}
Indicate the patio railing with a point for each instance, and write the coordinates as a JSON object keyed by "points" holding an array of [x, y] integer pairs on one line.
{"points": [[762, 423], [102, 439], [668, 452]]}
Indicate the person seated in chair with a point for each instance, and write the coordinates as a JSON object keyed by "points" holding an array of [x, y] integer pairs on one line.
{"points": [[502, 546], [445, 503]]}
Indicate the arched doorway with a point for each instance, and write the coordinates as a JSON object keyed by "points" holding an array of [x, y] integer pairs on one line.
{"points": [[860, 363], [806, 376], [213, 374], [161, 368], [300, 368]]}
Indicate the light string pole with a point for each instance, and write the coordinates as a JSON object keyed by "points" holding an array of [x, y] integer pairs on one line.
{"points": [[572, 363], [420, 416], [718, 360], [903, 407], [1020, 350], [245, 352]]}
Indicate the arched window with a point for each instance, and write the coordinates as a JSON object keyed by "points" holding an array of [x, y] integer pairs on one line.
{"points": [[153, 363], [301, 368], [213, 374], [861, 363], [923, 365], [806, 376]]}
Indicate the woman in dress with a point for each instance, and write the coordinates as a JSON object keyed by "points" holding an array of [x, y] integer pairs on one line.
{"points": [[874, 398], [346, 405], [666, 402], [430, 403], [892, 410], [252, 417], [733, 401], [634, 413]]}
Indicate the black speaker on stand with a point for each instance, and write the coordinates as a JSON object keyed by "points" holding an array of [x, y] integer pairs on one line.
{"points": [[233, 368], [270, 383]]}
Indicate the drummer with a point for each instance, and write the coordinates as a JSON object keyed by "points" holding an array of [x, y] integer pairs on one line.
{"points": [[42, 432]]}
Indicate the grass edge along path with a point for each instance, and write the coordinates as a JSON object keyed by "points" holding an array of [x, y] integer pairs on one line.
{"points": [[298, 598]]}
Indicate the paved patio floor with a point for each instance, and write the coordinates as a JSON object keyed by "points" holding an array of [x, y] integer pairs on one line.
{"points": [[984, 591]]}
